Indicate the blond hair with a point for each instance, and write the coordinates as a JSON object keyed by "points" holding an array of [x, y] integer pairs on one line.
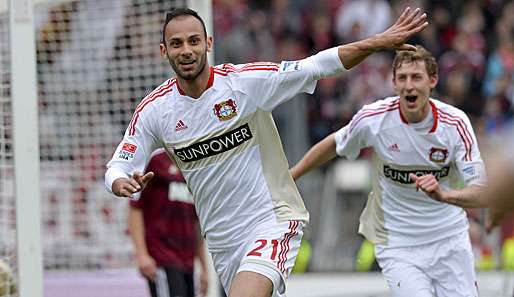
{"points": [[420, 54]]}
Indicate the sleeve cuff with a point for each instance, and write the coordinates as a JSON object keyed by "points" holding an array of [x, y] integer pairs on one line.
{"points": [[111, 175]]}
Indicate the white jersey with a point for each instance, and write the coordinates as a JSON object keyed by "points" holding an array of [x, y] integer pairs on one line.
{"points": [[396, 214], [226, 144]]}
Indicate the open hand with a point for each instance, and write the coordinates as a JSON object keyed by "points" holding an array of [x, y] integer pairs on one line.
{"points": [[409, 23]]}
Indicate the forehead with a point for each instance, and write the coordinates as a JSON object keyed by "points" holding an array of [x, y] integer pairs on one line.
{"points": [[183, 26], [407, 67]]}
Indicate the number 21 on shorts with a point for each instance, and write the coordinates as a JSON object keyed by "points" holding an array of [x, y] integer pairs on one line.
{"points": [[263, 246]]}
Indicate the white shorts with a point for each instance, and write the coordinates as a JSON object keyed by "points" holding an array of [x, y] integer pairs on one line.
{"points": [[444, 268], [270, 250]]}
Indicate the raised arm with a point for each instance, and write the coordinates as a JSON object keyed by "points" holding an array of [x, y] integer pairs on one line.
{"points": [[318, 155], [409, 23]]}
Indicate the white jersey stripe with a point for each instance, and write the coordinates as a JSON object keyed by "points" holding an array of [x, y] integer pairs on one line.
{"points": [[366, 111], [377, 112]]}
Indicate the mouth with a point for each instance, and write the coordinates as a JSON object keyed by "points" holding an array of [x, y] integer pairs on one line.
{"points": [[187, 63], [411, 98]]}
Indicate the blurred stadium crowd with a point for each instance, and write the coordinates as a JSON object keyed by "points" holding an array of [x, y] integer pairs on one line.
{"points": [[91, 78]]}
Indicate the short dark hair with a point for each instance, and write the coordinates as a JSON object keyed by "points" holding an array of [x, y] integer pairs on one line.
{"points": [[170, 15]]}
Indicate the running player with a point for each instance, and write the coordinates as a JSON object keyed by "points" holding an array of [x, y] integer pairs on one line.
{"points": [[216, 124], [421, 146]]}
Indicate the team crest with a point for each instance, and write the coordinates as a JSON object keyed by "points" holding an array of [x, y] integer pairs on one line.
{"points": [[225, 110], [438, 155]]}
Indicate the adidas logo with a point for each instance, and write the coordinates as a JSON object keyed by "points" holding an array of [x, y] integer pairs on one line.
{"points": [[180, 126], [394, 148]]}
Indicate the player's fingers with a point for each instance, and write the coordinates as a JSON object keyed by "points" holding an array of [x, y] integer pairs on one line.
{"points": [[147, 177], [403, 15], [137, 176], [419, 20], [135, 184], [411, 16], [418, 28], [125, 193], [407, 47]]}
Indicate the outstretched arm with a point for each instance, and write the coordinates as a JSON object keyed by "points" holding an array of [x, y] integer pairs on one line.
{"points": [[409, 23], [318, 155]]}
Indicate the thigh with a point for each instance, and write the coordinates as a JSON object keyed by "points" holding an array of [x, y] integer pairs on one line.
{"points": [[272, 253], [404, 279], [454, 271], [251, 284]]}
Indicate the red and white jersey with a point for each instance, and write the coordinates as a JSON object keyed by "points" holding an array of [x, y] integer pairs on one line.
{"points": [[443, 145], [226, 144]]}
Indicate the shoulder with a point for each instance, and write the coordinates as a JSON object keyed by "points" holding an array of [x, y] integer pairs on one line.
{"points": [[450, 114], [150, 103], [167, 89], [376, 111], [248, 69]]}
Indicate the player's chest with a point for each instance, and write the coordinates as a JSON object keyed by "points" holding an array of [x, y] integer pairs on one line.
{"points": [[405, 149], [198, 118]]}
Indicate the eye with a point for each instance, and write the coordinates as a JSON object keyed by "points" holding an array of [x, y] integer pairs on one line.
{"points": [[175, 43], [195, 41]]}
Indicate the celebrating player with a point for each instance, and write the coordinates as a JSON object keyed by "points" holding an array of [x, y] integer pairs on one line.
{"points": [[420, 145], [165, 231], [216, 124]]}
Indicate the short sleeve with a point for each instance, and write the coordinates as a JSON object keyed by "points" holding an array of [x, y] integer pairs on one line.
{"points": [[271, 84], [467, 158], [352, 138], [132, 154]]}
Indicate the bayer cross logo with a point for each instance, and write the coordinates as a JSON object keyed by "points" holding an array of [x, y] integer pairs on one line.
{"points": [[225, 110], [438, 155]]}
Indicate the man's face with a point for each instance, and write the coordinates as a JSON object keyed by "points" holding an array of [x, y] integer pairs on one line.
{"points": [[186, 46], [413, 84]]}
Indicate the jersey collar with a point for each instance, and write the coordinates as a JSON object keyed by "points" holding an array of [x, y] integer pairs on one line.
{"points": [[210, 82], [435, 114]]}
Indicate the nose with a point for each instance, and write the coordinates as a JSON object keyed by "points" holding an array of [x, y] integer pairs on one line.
{"points": [[187, 50], [408, 84]]}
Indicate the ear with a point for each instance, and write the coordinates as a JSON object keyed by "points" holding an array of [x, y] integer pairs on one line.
{"points": [[163, 50], [210, 42], [433, 80]]}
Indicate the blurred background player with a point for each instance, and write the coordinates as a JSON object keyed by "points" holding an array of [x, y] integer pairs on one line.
{"points": [[165, 233], [216, 123], [499, 195], [421, 146]]}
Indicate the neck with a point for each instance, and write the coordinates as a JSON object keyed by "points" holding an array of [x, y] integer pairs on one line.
{"points": [[194, 88]]}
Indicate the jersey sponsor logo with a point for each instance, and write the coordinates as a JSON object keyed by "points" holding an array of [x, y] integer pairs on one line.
{"points": [[129, 147], [180, 126], [438, 155], [225, 110], [215, 145], [127, 151], [402, 176]]}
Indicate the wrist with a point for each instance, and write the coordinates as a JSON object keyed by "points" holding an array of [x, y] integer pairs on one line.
{"points": [[452, 197]]}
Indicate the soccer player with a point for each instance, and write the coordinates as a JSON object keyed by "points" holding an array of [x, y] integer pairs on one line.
{"points": [[216, 124], [413, 215], [165, 232]]}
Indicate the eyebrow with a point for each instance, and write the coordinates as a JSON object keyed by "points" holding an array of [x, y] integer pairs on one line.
{"points": [[189, 37]]}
